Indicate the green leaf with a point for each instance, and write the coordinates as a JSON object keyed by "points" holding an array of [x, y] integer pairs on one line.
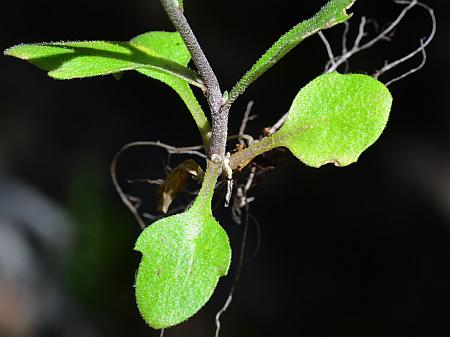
{"points": [[335, 118], [171, 46], [334, 12], [68, 60], [183, 256], [159, 55]]}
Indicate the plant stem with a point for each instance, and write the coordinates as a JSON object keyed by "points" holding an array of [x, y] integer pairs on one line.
{"points": [[204, 198], [243, 157], [219, 118]]}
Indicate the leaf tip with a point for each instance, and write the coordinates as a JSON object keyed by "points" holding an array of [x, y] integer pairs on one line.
{"points": [[140, 243], [7, 51], [345, 15], [14, 51], [350, 4]]}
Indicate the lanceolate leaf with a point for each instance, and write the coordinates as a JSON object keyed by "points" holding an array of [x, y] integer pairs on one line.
{"points": [[171, 46], [68, 60], [183, 257], [335, 118], [160, 55], [334, 12]]}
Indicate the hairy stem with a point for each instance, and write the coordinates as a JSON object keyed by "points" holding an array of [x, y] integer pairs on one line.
{"points": [[213, 93], [205, 195], [243, 157]]}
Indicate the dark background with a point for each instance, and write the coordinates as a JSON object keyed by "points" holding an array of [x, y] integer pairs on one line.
{"points": [[356, 251]]}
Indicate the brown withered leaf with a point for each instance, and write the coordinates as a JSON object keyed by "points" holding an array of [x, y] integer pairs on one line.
{"points": [[175, 182]]}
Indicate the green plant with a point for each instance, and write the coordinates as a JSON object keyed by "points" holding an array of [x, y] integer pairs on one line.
{"points": [[333, 119]]}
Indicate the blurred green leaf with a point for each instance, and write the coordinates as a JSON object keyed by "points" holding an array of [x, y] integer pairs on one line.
{"points": [[335, 118], [183, 257], [101, 236], [333, 13]]}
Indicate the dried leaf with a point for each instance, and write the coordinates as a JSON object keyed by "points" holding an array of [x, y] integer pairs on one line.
{"points": [[176, 181]]}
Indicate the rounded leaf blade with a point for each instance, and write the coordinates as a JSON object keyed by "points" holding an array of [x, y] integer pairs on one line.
{"points": [[335, 118], [183, 257]]}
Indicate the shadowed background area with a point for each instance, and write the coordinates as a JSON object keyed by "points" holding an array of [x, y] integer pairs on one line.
{"points": [[356, 251]]}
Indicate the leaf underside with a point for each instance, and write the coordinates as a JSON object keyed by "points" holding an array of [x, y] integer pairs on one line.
{"points": [[335, 118], [171, 46], [160, 55]]}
